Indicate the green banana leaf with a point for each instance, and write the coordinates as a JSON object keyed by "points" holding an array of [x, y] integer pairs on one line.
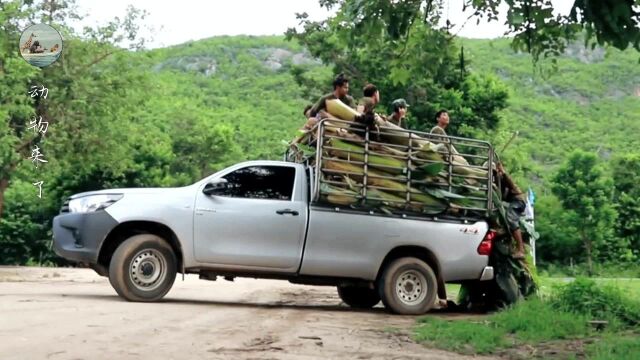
{"points": [[351, 151], [432, 169]]}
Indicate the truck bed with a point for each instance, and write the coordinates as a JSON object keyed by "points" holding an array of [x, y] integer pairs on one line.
{"points": [[354, 245]]}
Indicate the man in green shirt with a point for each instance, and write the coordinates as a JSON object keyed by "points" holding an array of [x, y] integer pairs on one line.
{"points": [[370, 100], [340, 91], [399, 113], [442, 120]]}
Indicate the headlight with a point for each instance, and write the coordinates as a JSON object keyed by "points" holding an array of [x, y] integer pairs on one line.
{"points": [[93, 203]]}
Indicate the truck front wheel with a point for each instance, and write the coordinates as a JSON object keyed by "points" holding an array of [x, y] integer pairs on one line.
{"points": [[408, 286], [358, 296], [143, 268]]}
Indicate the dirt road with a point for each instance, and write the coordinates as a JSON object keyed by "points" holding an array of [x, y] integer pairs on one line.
{"points": [[53, 313]]}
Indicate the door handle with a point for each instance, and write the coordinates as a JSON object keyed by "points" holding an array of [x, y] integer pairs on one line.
{"points": [[287, 211]]}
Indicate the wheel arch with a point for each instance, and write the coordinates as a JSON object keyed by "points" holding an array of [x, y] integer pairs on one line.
{"points": [[419, 252]]}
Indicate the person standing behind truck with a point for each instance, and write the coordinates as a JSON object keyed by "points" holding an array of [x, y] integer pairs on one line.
{"points": [[515, 205], [340, 92]]}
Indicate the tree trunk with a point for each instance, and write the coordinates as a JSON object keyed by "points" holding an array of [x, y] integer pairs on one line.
{"points": [[4, 184], [587, 246], [589, 261]]}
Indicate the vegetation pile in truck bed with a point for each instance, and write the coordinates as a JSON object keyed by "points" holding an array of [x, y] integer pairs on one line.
{"points": [[388, 169]]}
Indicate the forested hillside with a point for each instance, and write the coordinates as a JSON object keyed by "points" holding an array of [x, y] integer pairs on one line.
{"points": [[592, 102], [168, 117]]}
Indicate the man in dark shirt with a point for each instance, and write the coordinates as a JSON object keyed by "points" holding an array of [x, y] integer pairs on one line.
{"points": [[514, 197], [340, 91]]}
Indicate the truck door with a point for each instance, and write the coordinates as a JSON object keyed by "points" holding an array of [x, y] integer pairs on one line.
{"points": [[256, 220]]}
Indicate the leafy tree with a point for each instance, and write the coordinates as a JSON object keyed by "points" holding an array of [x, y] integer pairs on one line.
{"points": [[626, 176], [558, 231], [85, 98], [534, 26], [425, 66], [15, 106], [72, 79], [584, 191]]}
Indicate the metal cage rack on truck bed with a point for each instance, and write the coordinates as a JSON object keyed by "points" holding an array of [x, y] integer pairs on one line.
{"points": [[362, 161]]}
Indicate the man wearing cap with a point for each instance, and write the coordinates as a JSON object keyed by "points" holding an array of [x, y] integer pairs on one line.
{"points": [[340, 91], [399, 112]]}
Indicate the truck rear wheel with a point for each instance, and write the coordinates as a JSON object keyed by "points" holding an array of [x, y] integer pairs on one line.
{"points": [[408, 286], [359, 297], [143, 268]]}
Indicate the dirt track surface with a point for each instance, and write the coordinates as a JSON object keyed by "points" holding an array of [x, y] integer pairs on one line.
{"points": [[54, 313]]}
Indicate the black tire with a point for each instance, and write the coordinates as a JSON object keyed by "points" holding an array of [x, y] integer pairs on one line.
{"points": [[359, 297], [408, 286], [143, 268]]}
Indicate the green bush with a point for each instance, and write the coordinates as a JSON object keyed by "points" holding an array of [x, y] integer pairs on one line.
{"points": [[603, 270], [602, 302]]}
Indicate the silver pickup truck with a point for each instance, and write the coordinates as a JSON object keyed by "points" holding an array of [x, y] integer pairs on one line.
{"points": [[261, 219]]}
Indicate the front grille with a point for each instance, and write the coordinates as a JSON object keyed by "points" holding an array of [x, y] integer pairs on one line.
{"points": [[65, 207]]}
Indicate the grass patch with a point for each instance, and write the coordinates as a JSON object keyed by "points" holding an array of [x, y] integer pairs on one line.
{"points": [[614, 346], [461, 336], [536, 321], [528, 322], [559, 319]]}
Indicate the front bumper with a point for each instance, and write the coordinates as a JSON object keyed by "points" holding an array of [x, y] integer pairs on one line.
{"points": [[78, 237]]}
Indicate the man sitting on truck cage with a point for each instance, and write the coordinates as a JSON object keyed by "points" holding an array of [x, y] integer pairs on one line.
{"points": [[340, 91], [311, 121], [304, 130], [442, 120], [370, 100], [399, 113], [514, 197]]}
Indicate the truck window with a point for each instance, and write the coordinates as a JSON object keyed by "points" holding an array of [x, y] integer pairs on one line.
{"points": [[261, 182]]}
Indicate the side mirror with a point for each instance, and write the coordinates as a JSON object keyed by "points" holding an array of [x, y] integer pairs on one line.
{"points": [[215, 186]]}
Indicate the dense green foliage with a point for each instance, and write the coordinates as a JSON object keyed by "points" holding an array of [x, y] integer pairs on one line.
{"points": [[168, 117], [598, 301], [536, 26], [626, 177], [585, 192]]}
